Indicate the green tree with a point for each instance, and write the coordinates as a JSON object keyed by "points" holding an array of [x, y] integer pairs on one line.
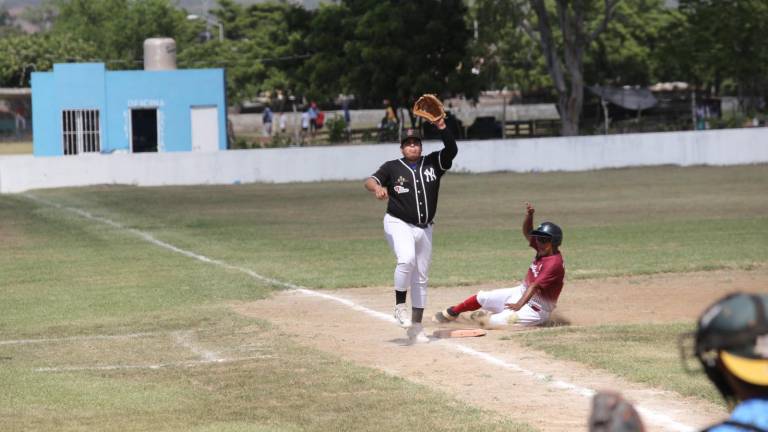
{"points": [[628, 52], [373, 49], [323, 75], [264, 47], [564, 50], [23, 54], [723, 42], [399, 50], [506, 56], [536, 44], [386, 50], [118, 28]]}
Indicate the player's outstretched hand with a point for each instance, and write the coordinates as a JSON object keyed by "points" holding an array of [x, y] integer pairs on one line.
{"points": [[529, 210], [381, 193]]}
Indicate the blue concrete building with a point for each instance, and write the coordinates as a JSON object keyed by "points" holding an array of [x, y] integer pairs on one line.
{"points": [[83, 108]]}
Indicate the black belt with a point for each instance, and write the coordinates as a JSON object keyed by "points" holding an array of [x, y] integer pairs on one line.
{"points": [[420, 225]]}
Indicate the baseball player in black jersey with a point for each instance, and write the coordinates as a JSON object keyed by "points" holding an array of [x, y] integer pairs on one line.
{"points": [[411, 186]]}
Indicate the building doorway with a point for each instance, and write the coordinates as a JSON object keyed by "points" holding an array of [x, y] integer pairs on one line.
{"points": [[144, 130], [205, 128]]}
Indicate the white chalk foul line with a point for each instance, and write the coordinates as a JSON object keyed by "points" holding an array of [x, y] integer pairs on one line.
{"points": [[648, 415], [655, 417], [151, 239], [351, 305], [582, 391], [190, 363], [651, 416], [663, 420], [76, 338]]}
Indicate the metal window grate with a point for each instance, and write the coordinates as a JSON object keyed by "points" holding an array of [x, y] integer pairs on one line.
{"points": [[80, 131]]}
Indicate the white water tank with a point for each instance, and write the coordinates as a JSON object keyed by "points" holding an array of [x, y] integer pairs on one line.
{"points": [[159, 54]]}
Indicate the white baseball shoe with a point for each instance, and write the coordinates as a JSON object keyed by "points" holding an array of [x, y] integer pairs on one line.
{"points": [[416, 334], [401, 315]]}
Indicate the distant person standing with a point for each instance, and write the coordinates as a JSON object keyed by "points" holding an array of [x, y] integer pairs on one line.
{"points": [[411, 186], [312, 111], [305, 121], [390, 116], [230, 133], [304, 125], [282, 122], [347, 115], [388, 128], [701, 117], [266, 119], [347, 121]]}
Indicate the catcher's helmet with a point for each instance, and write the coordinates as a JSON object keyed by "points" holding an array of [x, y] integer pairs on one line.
{"points": [[548, 229], [735, 331], [409, 134]]}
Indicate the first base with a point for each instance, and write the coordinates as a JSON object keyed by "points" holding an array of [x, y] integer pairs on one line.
{"points": [[459, 333]]}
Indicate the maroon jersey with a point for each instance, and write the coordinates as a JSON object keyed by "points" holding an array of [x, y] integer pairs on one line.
{"points": [[548, 272]]}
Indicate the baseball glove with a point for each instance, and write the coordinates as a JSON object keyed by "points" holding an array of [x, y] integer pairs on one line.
{"points": [[612, 413], [429, 107]]}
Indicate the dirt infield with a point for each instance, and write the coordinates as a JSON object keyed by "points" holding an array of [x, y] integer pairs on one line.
{"points": [[525, 385]]}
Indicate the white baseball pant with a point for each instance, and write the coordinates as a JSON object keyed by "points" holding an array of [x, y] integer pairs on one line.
{"points": [[413, 248], [494, 301]]}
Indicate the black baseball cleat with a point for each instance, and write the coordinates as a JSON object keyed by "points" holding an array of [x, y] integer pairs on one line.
{"points": [[444, 316]]}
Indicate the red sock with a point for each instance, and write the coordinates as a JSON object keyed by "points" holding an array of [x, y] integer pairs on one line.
{"points": [[467, 305]]}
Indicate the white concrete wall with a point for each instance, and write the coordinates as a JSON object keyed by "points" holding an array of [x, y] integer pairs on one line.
{"points": [[720, 147]]}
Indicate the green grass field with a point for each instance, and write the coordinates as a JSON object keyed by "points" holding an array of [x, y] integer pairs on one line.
{"points": [[646, 354], [70, 278]]}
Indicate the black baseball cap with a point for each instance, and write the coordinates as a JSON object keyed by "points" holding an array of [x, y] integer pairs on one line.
{"points": [[410, 134]]}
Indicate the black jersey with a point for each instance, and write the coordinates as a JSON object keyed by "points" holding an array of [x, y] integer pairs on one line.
{"points": [[413, 191]]}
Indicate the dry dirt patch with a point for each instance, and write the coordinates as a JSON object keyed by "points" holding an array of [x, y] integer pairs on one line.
{"points": [[523, 384]]}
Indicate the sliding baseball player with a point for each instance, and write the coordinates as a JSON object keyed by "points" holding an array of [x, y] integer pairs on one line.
{"points": [[530, 303]]}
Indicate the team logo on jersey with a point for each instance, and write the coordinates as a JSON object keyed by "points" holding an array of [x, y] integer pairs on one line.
{"points": [[430, 174], [401, 189], [400, 180], [535, 269]]}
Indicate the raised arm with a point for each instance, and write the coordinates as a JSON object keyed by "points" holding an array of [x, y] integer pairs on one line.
{"points": [[528, 221], [451, 149]]}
